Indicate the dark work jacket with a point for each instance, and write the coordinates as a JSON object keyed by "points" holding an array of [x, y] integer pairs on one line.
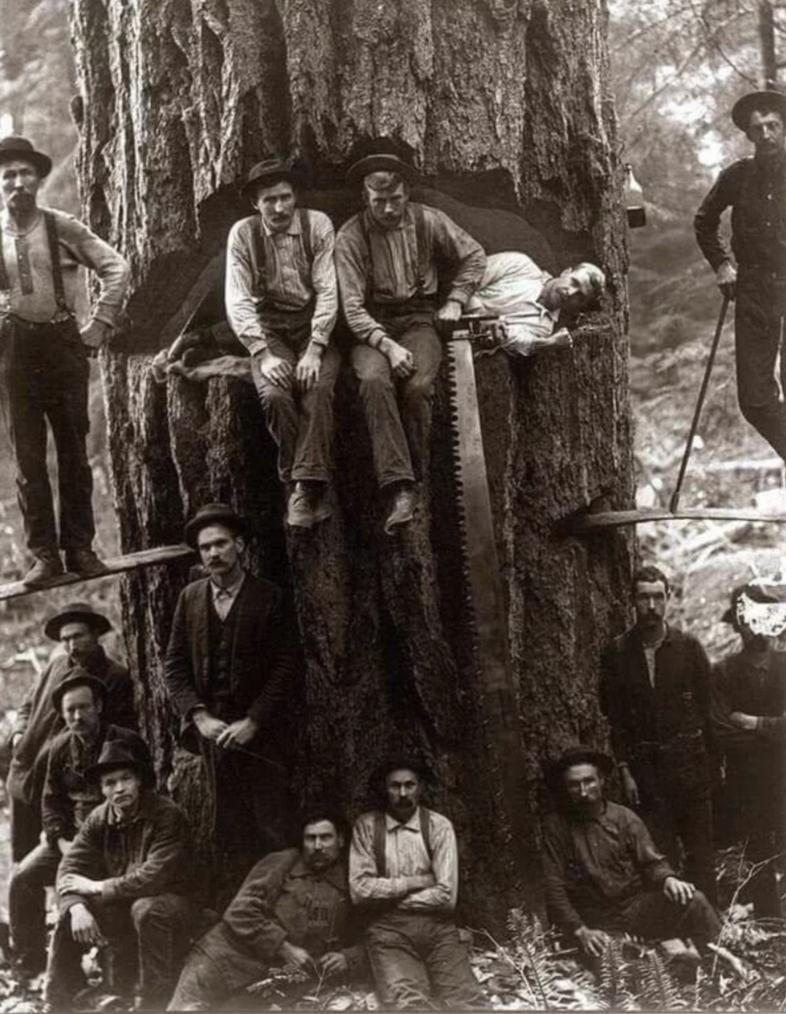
{"points": [[38, 721], [263, 668], [739, 685], [677, 707]]}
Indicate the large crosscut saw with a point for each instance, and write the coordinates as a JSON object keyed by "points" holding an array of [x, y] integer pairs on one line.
{"points": [[482, 572]]}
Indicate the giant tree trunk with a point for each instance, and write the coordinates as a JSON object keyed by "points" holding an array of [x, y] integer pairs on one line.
{"points": [[505, 105]]}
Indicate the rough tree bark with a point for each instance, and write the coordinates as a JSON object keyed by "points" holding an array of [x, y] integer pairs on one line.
{"points": [[505, 106]]}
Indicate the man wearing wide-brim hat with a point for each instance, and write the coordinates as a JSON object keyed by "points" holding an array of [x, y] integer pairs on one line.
{"points": [[77, 628], [755, 190], [231, 674], [749, 726], [281, 301], [392, 259], [126, 880], [44, 369], [68, 797]]}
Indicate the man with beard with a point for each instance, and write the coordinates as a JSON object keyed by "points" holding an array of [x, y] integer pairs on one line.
{"points": [[392, 259], [749, 721], [124, 886], [403, 873], [755, 190], [77, 628], [68, 797], [655, 692], [603, 873], [230, 674], [44, 368], [292, 909]]}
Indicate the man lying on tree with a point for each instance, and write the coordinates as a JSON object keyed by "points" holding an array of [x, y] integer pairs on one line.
{"points": [[603, 874]]}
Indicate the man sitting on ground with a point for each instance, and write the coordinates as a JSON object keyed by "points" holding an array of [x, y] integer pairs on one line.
{"points": [[603, 873]]}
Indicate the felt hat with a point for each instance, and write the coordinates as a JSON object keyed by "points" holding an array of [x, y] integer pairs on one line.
{"points": [[577, 755], [380, 162], [270, 171], [214, 514], [742, 108], [395, 762], [14, 148], [116, 754], [761, 591], [76, 612], [77, 677]]}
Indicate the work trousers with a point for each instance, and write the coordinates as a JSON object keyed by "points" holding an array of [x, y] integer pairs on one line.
{"points": [[415, 956], [27, 904], [25, 827], [44, 373], [760, 307], [147, 941], [301, 424], [398, 412], [652, 916], [209, 978]]}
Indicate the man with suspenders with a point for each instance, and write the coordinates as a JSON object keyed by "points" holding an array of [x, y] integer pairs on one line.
{"points": [[44, 369], [281, 302], [403, 872], [390, 259]]}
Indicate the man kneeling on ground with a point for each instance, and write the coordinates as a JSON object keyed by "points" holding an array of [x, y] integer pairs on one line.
{"points": [[292, 909], [603, 873]]}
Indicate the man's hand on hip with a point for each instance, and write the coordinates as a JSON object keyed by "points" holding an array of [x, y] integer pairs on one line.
{"points": [[95, 334], [238, 733], [726, 277], [275, 369], [309, 366], [402, 362], [450, 311]]}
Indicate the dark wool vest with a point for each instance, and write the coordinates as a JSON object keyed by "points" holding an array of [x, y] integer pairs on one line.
{"points": [[221, 638]]}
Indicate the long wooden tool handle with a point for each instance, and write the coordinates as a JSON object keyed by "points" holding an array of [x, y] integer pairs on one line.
{"points": [[675, 496]]}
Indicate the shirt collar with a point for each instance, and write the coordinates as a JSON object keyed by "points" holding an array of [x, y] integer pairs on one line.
{"points": [[413, 824], [231, 590], [293, 230], [336, 874], [143, 812]]}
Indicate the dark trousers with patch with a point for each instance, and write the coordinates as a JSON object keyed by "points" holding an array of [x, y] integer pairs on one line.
{"points": [[27, 904], [44, 373], [398, 412], [760, 308], [415, 956], [148, 939]]}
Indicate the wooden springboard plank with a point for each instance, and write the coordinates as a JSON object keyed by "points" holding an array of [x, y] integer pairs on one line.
{"points": [[619, 519]]}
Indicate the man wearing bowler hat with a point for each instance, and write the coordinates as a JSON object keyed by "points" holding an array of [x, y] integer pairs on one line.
{"points": [[230, 671], [68, 797], [77, 629], [44, 368], [393, 260], [281, 301], [755, 190], [124, 886]]}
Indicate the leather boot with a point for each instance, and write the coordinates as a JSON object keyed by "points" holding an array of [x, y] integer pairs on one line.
{"points": [[402, 506], [85, 563], [47, 566]]}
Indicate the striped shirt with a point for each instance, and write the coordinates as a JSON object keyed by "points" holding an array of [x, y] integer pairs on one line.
{"points": [[406, 857], [290, 282]]}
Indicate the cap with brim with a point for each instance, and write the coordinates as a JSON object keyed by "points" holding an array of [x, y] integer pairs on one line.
{"points": [[742, 108], [20, 149], [77, 677], [269, 171], [214, 514], [578, 755], [76, 612], [114, 756], [380, 163]]}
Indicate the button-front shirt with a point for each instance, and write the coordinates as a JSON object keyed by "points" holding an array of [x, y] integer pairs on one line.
{"points": [[224, 598], [755, 190], [29, 267], [290, 282], [406, 856], [382, 266]]}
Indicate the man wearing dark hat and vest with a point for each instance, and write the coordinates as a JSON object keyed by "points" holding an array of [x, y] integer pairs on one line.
{"points": [[230, 671], [44, 367], [749, 723], [124, 885], [403, 873], [392, 259], [281, 301], [68, 797], [603, 873], [755, 190], [77, 628]]}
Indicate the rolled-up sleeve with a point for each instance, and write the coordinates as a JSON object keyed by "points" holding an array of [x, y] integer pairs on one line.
{"points": [[458, 248]]}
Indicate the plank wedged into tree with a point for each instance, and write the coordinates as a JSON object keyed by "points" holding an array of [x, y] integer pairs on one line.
{"points": [[130, 561], [618, 519]]}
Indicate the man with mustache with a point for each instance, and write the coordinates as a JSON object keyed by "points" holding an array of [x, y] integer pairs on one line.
{"points": [[403, 872], [749, 722], [68, 797], [755, 190], [44, 368], [392, 260], [281, 300], [655, 691]]}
